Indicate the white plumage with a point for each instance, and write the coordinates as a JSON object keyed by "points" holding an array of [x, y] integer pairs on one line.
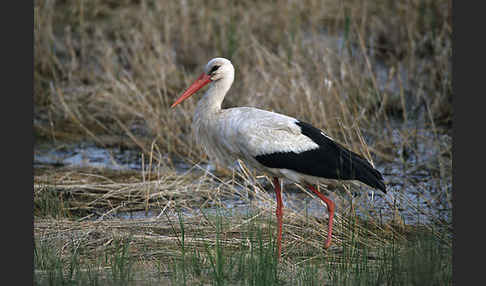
{"points": [[248, 132], [276, 144]]}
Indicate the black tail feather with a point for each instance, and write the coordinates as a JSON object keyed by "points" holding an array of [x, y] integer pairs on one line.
{"points": [[336, 162], [358, 168]]}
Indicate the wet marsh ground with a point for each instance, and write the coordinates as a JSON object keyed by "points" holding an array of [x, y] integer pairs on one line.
{"points": [[123, 195]]}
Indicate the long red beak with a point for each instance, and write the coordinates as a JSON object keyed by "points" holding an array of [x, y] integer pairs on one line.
{"points": [[201, 81]]}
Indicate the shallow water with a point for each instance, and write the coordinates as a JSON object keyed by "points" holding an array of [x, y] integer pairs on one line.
{"points": [[87, 155]]}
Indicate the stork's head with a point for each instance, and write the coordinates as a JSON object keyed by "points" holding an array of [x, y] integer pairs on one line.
{"points": [[215, 70], [218, 68]]}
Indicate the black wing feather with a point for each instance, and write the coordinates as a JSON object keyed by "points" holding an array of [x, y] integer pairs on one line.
{"points": [[330, 160]]}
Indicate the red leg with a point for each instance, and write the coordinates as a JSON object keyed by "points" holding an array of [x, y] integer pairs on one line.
{"points": [[279, 213], [330, 209]]}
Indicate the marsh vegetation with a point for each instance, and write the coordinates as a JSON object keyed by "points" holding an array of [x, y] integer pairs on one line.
{"points": [[376, 75]]}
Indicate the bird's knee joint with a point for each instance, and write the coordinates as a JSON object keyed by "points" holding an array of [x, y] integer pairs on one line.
{"points": [[331, 206]]}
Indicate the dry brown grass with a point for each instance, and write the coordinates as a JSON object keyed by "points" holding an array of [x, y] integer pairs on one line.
{"points": [[113, 68], [90, 202]]}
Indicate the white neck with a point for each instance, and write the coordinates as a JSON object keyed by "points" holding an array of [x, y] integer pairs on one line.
{"points": [[211, 102]]}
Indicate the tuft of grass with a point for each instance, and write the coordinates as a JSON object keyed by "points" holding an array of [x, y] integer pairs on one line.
{"points": [[53, 268], [252, 262], [49, 203], [422, 256], [58, 266], [120, 262]]}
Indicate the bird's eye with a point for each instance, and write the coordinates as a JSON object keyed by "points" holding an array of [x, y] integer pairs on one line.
{"points": [[213, 69]]}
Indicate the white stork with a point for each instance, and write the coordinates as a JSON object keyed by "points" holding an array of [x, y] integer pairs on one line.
{"points": [[276, 144]]}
